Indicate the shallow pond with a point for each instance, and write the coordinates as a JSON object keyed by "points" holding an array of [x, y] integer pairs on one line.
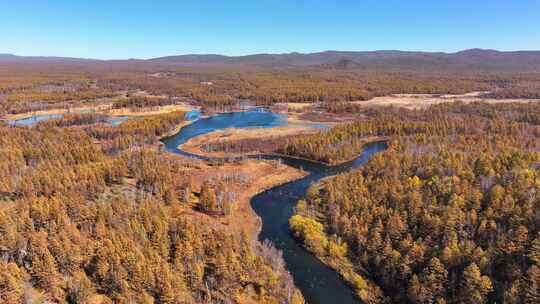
{"points": [[29, 121], [33, 119]]}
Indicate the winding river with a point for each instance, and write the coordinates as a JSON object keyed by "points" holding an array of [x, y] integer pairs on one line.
{"points": [[318, 283]]}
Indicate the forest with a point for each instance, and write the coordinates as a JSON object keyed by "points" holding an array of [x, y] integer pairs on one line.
{"points": [[92, 212], [81, 222], [28, 87], [447, 214], [339, 144], [141, 102]]}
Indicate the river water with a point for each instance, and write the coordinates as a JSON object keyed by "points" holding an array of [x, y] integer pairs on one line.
{"points": [[318, 283], [32, 120]]}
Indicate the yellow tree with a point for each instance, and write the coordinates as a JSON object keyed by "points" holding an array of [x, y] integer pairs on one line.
{"points": [[475, 287], [11, 283]]}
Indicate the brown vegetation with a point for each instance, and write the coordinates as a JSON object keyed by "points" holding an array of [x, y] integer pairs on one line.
{"points": [[79, 225], [238, 142], [92, 213]]}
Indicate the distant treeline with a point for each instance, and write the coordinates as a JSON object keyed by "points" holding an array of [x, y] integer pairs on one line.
{"points": [[26, 88], [141, 102]]}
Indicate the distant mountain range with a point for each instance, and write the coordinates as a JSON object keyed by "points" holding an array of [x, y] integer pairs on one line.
{"points": [[15, 58], [469, 59]]}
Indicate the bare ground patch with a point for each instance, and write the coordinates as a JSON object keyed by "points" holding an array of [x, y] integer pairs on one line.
{"points": [[419, 101]]}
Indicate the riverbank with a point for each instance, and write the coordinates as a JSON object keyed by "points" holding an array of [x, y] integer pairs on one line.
{"points": [[258, 176], [174, 131], [335, 256], [275, 206], [266, 174], [328, 159]]}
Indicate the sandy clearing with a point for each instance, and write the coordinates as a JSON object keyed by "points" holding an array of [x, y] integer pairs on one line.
{"points": [[150, 111], [104, 106], [466, 95], [419, 101], [294, 105]]}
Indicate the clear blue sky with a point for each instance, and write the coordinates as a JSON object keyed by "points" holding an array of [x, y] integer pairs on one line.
{"points": [[144, 29]]}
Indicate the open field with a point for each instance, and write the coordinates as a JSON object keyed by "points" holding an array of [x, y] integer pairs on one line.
{"points": [[420, 101], [295, 105], [150, 111]]}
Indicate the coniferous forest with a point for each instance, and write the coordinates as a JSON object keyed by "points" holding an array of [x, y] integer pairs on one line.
{"points": [[447, 214], [95, 208], [86, 223], [270, 152]]}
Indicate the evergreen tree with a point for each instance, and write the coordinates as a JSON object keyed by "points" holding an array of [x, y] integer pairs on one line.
{"points": [[434, 279], [208, 198], [12, 282], [532, 287], [534, 251], [475, 287]]}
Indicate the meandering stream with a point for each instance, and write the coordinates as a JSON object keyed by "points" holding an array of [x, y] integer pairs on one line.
{"points": [[318, 283]]}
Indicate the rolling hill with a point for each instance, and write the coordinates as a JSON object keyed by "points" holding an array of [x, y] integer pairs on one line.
{"points": [[473, 59]]}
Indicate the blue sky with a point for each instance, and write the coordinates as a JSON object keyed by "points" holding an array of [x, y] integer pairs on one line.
{"points": [[144, 29]]}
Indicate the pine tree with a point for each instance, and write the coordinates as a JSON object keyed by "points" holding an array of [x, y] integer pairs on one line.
{"points": [[534, 251], [532, 286], [79, 288], [44, 270], [164, 286], [208, 198], [475, 287], [11, 283], [434, 278], [416, 292], [297, 297]]}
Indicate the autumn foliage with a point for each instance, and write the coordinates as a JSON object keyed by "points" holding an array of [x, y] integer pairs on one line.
{"points": [[448, 214]]}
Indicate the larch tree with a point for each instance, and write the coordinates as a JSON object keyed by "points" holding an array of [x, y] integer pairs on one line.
{"points": [[475, 287]]}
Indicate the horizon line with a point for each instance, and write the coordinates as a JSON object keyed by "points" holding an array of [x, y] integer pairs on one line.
{"points": [[265, 53]]}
